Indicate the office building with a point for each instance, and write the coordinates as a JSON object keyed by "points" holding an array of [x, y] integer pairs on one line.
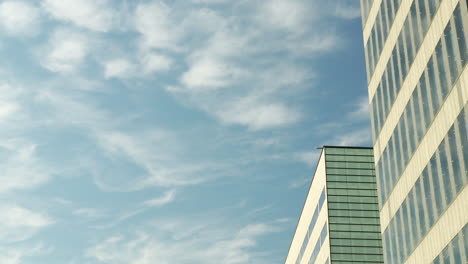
{"points": [[339, 223], [416, 55]]}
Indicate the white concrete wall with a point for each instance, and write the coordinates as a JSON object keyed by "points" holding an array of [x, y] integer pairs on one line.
{"points": [[318, 183]]}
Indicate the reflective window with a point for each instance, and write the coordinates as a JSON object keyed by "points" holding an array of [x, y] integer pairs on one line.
{"points": [[461, 35], [454, 251], [418, 119], [440, 53], [428, 96], [415, 231], [408, 43], [464, 144], [404, 141], [432, 7], [410, 128], [425, 100], [438, 191], [422, 11], [444, 170], [420, 205], [455, 154], [415, 24], [406, 214], [430, 196], [433, 88], [452, 56]]}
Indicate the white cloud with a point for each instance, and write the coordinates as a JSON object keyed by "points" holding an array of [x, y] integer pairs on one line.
{"points": [[19, 223], [355, 138], [10, 104], [210, 1], [291, 14], [15, 254], [156, 63], [362, 112], [315, 44], [309, 157], [257, 115], [225, 42], [66, 51], [88, 212], [348, 10], [11, 257], [91, 14], [168, 197], [7, 109], [118, 68], [152, 20], [210, 73], [18, 17]]}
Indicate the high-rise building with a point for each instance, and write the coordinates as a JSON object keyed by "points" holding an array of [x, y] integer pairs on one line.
{"points": [[339, 223], [416, 55]]}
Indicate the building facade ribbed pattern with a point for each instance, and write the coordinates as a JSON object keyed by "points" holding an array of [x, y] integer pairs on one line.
{"points": [[340, 220]]}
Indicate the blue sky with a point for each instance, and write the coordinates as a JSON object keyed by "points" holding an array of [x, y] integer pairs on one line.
{"points": [[179, 131]]}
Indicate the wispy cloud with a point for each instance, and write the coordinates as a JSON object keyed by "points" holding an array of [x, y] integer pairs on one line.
{"points": [[21, 168], [205, 244], [154, 152], [167, 197], [15, 254], [20, 224], [88, 212]]}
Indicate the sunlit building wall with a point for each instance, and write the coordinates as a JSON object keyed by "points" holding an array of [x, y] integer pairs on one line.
{"points": [[339, 223], [416, 55]]}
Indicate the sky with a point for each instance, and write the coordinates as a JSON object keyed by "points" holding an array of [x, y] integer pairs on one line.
{"points": [[162, 132]]}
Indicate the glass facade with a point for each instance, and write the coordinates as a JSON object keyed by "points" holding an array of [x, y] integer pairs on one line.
{"points": [[438, 185], [407, 46], [354, 225], [434, 86], [445, 175], [365, 8], [456, 251]]}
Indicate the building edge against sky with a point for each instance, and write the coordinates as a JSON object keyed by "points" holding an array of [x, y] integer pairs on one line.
{"points": [[416, 55], [340, 219]]}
